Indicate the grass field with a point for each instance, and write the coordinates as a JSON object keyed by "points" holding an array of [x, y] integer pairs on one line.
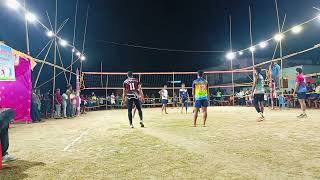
{"points": [[99, 145]]}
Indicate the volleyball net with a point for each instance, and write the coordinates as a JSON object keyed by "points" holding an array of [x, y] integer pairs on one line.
{"points": [[103, 84]]}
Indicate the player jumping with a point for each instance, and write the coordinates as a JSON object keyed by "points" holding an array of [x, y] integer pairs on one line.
{"points": [[200, 92], [131, 93], [258, 94], [183, 97]]}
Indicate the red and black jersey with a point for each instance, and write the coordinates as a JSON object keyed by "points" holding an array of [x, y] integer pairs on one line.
{"points": [[131, 86]]}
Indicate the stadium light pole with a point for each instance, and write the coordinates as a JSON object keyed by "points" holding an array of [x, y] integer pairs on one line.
{"points": [[26, 30], [231, 57], [280, 47], [251, 41]]}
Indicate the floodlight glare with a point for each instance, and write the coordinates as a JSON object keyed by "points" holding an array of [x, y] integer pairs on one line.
{"points": [[13, 4], [78, 54], [30, 17], [278, 37], [240, 53], [73, 50], [252, 49], [63, 42], [230, 55], [83, 58], [296, 29], [50, 33], [263, 44]]}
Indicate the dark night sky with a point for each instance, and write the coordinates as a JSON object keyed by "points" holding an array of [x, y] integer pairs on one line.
{"points": [[173, 24]]}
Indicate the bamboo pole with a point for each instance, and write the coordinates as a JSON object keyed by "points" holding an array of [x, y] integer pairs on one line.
{"points": [[231, 62], [74, 37]]}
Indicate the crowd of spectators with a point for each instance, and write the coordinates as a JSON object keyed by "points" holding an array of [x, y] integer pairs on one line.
{"points": [[244, 97], [64, 104]]}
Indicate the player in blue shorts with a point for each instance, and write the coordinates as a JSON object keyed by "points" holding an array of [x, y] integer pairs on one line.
{"points": [[184, 97], [301, 90], [200, 92]]}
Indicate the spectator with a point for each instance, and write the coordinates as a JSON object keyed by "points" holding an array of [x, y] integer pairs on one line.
{"points": [[64, 104], [83, 104], [35, 114], [175, 100], [219, 94], [69, 106], [73, 101], [94, 99], [38, 100], [6, 115], [113, 100], [47, 104], [276, 74], [57, 103]]}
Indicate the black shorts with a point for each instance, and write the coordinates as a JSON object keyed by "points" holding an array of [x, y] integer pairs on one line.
{"points": [[259, 97], [302, 95]]}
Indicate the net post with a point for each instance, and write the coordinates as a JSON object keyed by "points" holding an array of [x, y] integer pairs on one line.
{"points": [[101, 75], [173, 83], [107, 91]]}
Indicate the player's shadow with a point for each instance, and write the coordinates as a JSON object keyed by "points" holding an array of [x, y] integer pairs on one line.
{"points": [[16, 170]]}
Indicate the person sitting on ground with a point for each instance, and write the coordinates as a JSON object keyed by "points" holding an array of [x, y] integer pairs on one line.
{"points": [[6, 115]]}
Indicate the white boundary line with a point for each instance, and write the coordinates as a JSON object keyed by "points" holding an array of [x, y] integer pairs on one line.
{"points": [[76, 140]]}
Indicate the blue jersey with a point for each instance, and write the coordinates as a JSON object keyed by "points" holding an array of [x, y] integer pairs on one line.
{"points": [[200, 87], [275, 71], [184, 94]]}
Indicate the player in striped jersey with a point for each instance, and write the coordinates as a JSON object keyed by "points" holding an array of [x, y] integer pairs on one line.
{"points": [[131, 93]]}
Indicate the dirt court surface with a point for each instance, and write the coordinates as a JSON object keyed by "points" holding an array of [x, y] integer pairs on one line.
{"points": [[99, 145]]}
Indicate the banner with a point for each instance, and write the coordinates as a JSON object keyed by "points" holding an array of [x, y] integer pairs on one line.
{"points": [[7, 60]]}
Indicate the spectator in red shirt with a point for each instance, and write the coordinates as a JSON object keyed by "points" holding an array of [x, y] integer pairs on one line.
{"points": [[57, 103]]}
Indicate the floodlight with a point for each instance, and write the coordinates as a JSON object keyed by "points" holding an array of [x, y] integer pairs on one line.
{"points": [[83, 58], [278, 37], [63, 42], [252, 48], [13, 4], [30, 17], [240, 53], [296, 29], [263, 44], [73, 50], [78, 54], [50, 34], [230, 55]]}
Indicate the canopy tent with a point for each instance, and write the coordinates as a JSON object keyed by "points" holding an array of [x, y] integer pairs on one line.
{"points": [[16, 86]]}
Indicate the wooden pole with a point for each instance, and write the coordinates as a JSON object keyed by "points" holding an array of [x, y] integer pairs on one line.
{"points": [[251, 40], [231, 62], [107, 91], [74, 37], [27, 31], [280, 48], [54, 59], [101, 74]]}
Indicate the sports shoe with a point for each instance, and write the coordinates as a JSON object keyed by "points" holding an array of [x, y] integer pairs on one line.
{"points": [[260, 119], [8, 158], [302, 116], [131, 126], [141, 124]]}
